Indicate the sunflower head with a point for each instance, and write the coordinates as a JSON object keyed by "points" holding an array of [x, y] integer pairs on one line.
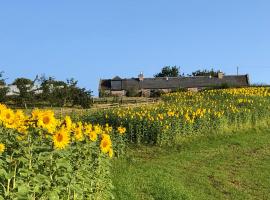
{"points": [[46, 120], [121, 130], [78, 132], [93, 136], [105, 144], [61, 139], [68, 122]]}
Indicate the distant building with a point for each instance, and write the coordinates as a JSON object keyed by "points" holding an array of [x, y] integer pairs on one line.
{"points": [[13, 90], [145, 86]]}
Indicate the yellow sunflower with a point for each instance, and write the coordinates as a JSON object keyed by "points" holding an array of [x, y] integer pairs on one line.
{"points": [[93, 136], [20, 122], [47, 120], [61, 139], [2, 148], [78, 133], [88, 128], [110, 152], [68, 122], [105, 144], [8, 118], [2, 109], [35, 113], [105, 136], [121, 130]]}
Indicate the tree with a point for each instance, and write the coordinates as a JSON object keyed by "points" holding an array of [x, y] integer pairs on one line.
{"points": [[60, 93], [26, 92], [169, 71], [82, 97], [3, 88], [205, 72]]}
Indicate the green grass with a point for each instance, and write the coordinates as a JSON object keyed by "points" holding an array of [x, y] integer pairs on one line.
{"points": [[235, 166]]}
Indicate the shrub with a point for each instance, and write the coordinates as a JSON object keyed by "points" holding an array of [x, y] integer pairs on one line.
{"points": [[132, 92]]}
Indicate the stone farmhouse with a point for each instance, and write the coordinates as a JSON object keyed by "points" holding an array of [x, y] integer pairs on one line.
{"points": [[146, 86]]}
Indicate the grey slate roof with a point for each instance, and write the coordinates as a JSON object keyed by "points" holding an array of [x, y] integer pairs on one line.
{"points": [[173, 82]]}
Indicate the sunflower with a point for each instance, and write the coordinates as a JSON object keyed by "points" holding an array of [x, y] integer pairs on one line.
{"points": [[108, 128], [61, 139], [2, 109], [2, 147], [87, 128], [20, 122], [35, 113], [47, 120], [98, 129], [77, 130], [93, 136], [68, 122], [105, 144], [110, 152], [121, 130], [8, 118]]}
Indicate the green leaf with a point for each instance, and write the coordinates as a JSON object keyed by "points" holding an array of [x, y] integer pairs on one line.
{"points": [[22, 192], [53, 195], [3, 173], [63, 163]]}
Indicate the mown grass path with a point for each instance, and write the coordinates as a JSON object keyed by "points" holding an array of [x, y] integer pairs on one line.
{"points": [[235, 166]]}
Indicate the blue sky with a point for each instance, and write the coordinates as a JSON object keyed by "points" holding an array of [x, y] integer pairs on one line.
{"points": [[89, 40]]}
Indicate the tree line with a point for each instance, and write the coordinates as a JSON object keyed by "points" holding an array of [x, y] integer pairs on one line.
{"points": [[174, 71], [44, 91]]}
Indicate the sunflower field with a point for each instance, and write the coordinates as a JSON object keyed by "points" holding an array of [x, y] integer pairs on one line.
{"points": [[42, 157], [185, 114]]}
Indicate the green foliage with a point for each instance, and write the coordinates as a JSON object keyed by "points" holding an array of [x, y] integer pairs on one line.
{"points": [[132, 92], [2, 80], [3, 94], [49, 92], [103, 93], [179, 90], [168, 71], [82, 97], [156, 93], [26, 92], [205, 72], [32, 169], [61, 93]]}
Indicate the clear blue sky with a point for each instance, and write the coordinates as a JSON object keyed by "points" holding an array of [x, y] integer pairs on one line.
{"points": [[89, 40]]}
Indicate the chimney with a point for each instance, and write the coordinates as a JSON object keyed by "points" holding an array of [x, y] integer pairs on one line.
{"points": [[220, 75], [140, 76]]}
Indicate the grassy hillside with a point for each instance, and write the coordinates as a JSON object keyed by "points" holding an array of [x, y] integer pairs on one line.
{"points": [[235, 166]]}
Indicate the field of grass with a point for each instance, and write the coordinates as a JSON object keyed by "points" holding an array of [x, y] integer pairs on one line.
{"points": [[234, 166]]}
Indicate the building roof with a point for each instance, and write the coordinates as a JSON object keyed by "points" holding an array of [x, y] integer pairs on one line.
{"points": [[173, 82]]}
